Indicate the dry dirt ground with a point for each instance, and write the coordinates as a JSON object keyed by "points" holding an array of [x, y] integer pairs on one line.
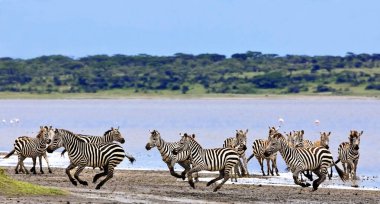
{"points": [[137, 186]]}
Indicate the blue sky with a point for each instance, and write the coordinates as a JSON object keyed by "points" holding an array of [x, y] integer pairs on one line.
{"points": [[78, 28]]}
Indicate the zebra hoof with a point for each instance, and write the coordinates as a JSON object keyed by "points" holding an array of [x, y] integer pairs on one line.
{"points": [[50, 171], [355, 186], [97, 187], [216, 189], [74, 183], [42, 172], [84, 183]]}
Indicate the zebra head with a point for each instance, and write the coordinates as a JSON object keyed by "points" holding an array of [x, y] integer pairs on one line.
{"points": [[274, 144], [325, 139], [183, 144], [154, 140], [298, 138], [241, 139], [355, 139], [272, 131], [57, 141], [115, 134], [44, 134], [290, 139]]}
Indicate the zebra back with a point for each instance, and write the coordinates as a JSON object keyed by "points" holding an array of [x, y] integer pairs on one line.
{"points": [[109, 136]]}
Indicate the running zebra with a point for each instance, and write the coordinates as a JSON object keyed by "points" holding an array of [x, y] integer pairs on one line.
{"points": [[316, 159], [165, 149], [348, 154], [32, 147], [240, 140], [82, 154], [109, 136], [219, 159]]}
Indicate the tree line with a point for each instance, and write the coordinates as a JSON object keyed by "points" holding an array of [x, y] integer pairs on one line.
{"points": [[242, 73]]}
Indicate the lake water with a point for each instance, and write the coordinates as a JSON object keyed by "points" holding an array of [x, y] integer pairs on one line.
{"points": [[212, 120]]}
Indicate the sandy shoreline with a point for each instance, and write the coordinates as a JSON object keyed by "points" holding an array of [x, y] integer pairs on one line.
{"points": [[144, 186]]}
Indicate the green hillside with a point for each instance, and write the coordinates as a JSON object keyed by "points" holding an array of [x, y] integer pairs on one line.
{"points": [[242, 73]]}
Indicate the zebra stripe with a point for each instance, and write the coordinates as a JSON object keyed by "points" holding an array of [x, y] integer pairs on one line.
{"points": [[239, 143], [82, 154], [348, 154], [219, 159], [31, 147], [317, 159], [109, 136], [258, 147], [165, 149]]}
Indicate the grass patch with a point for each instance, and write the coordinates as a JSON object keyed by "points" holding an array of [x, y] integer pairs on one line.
{"points": [[11, 187]]}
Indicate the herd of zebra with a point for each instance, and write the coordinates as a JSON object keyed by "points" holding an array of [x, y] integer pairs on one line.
{"points": [[302, 156]]}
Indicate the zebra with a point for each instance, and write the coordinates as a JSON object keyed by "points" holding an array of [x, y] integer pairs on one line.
{"points": [[348, 154], [218, 159], [258, 147], [299, 140], [82, 154], [165, 149], [32, 147], [317, 159], [324, 142], [240, 140], [109, 136]]}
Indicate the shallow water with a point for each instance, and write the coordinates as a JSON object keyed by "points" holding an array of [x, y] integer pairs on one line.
{"points": [[212, 120]]}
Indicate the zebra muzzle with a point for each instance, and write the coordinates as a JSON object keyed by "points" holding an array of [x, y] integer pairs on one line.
{"points": [[148, 147]]}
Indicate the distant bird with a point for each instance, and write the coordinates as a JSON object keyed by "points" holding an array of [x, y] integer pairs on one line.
{"points": [[4, 121], [281, 120], [317, 122]]}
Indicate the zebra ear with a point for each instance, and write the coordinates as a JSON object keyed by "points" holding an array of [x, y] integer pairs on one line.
{"points": [[361, 133], [302, 131], [329, 134], [193, 135], [246, 131], [118, 127]]}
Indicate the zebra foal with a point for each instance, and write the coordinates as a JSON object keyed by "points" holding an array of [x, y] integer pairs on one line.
{"points": [[316, 159], [218, 159], [82, 154], [32, 147], [348, 154]]}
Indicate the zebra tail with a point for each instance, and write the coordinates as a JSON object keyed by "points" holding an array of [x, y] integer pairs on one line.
{"points": [[9, 154], [341, 174], [131, 158], [250, 157], [337, 161]]}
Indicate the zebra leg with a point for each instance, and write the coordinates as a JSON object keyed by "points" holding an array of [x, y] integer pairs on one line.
{"points": [[308, 175], [47, 162], [225, 175], [104, 173], [71, 166], [261, 160], [186, 166], [330, 175], [221, 175], [195, 169], [355, 166], [110, 169], [76, 175], [245, 165], [33, 169], [268, 167], [172, 172], [351, 168], [297, 181], [40, 159], [274, 166], [321, 173]]}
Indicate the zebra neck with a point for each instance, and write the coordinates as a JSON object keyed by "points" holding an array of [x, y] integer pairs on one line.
{"points": [[196, 150], [161, 144], [286, 151], [107, 138]]}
